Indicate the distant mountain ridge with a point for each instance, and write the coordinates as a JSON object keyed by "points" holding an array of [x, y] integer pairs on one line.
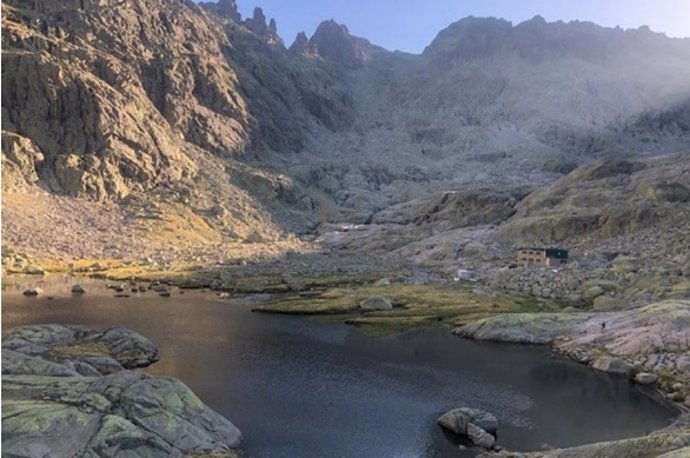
{"points": [[110, 100]]}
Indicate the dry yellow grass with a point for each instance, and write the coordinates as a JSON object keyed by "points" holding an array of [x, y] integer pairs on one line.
{"points": [[62, 234], [414, 305]]}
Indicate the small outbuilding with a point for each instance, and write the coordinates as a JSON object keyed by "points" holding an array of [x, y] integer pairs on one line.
{"points": [[527, 257]]}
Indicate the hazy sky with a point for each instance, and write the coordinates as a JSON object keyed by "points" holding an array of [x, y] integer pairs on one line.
{"points": [[410, 25]]}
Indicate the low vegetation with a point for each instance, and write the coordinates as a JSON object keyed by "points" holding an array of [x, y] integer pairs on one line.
{"points": [[413, 305]]}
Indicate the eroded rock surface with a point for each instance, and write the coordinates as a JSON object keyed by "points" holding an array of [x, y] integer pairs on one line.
{"points": [[67, 391], [654, 339], [28, 349], [185, 118], [457, 420], [479, 426]]}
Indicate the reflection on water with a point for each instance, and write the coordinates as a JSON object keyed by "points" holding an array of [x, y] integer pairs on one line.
{"points": [[305, 388]]}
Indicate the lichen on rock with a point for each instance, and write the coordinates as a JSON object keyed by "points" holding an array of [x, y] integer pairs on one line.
{"points": [[67, 391]]}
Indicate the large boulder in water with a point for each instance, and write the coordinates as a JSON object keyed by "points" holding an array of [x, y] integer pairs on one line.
{"points": [[457, 420], [478, 425], [33, 291], [479, 437], [78, 289]]}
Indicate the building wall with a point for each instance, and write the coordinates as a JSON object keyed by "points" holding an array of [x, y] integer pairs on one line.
{"points": [[528, 258], [532, 257]]}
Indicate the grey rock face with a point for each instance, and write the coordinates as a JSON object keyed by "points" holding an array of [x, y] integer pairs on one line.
{"points": [[58, 402], [114, 348], [521, 328], [152, 416], [333, 42], [223, 8]]}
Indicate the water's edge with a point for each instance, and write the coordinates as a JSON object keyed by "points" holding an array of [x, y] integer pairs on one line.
{"points": [[292, 368]]}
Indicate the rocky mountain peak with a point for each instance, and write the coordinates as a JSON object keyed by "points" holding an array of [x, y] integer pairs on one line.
{"points": [[301, 46], [536, 40], [471, 38], [257, 24], [156, 101], [223, 8], [539, 19], [333, 42]]}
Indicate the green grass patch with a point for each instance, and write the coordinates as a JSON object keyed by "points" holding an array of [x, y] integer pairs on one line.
{"points": [[413, 305]]}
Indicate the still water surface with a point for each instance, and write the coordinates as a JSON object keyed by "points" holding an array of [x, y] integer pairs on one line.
{"points": [[300, 387]]}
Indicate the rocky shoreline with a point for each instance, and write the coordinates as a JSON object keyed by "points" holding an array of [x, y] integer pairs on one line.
{"points": [[74, 391], [673, 442], [650, 345], [651, 340], [51, 363]]}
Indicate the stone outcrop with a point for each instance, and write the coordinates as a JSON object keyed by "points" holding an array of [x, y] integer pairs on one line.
{"points": [[603, 199], [301, 46], [333, 43], [654, 338], [146, 107], [645, 378], [457, 420], [469, 208], [224, 9], [69, 391], [376, 304], [479, 437], [257, 24], [477, 425], [157, 104], [74, 350], [108, 138], [166, 75], [454, 209]]}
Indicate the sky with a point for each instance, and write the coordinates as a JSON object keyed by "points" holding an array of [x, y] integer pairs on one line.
{"points": [[410, 25]]}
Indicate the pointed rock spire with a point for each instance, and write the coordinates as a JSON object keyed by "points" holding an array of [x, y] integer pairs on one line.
{"points": [[224, 8]]}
